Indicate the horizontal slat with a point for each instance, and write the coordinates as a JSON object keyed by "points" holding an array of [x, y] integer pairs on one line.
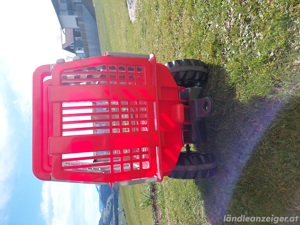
{"points": [[84, 128], [87, 158], [93, 142], [113, 156], [102, 164], [84, 72], [87, 107], [86, 121], [74, 80], [106, 114], [76, 93], [89, 165]]}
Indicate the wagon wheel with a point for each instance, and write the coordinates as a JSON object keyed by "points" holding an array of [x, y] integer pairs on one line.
{"points": [[188, 72], [194, 166]]}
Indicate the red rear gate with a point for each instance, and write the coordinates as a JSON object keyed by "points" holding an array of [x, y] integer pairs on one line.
{"points": [[98, 120]]}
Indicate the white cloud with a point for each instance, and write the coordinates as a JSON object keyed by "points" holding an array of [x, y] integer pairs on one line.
{"points": [[29, 39], [7, 161], [46, 203], [68, 203], [32, 39]]}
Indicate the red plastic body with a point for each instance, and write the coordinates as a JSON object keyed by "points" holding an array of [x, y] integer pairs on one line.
{"points": [[105, 119]]}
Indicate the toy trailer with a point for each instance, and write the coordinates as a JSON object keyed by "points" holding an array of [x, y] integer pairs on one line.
{"points": [[120, 119]]}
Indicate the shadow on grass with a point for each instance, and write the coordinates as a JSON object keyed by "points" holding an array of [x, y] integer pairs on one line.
{"points": [[234, 132]]}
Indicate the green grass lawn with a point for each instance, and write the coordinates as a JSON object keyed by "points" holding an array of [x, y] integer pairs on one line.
{"points": [[133, 198], [253, 52]]}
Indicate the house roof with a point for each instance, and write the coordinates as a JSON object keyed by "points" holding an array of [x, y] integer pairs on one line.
{"points": [[69, 37]]}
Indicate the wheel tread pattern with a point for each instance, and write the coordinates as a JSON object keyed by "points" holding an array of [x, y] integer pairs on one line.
{"points": [[188, 72], [194, 166]]}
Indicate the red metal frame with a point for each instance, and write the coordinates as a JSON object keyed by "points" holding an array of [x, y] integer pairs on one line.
{"points": [[106, 119]]}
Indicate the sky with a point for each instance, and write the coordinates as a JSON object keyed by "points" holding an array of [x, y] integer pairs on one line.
{"points": [[30, 37]]}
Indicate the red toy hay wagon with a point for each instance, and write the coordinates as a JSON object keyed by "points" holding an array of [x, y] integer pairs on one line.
{"points": [[119, 119]]}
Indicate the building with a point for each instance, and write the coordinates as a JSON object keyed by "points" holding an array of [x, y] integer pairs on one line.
{"points": [[78, 27]]}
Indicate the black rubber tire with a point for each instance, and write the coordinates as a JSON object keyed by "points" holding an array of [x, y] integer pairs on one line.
{"points": [[188, 72], [194, 166]]}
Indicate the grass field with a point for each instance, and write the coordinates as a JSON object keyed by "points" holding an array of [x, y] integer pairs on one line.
{"points": [[132, 198], [253, 52]]}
